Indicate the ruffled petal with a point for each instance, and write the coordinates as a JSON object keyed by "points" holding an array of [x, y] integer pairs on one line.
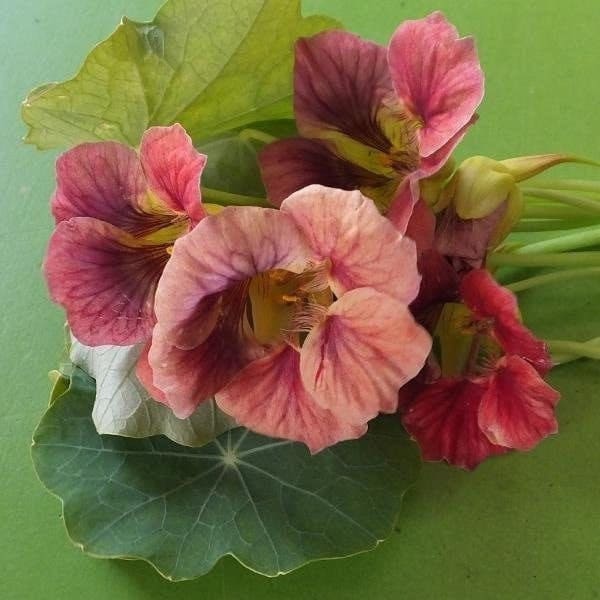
{"points": [[173, 168], [364, 248], [268, 396], [290, 165], [487, 299], [105, 279], [368, 346], [517, 409], [102, 180], [185, 378], [199, 341], [438, 77], [221, 252], [340, 82], [443, 419]]}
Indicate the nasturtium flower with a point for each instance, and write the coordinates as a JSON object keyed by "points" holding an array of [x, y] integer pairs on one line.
{"points": [[117, 215], [296, 319], [373, 118], [490, 396]]}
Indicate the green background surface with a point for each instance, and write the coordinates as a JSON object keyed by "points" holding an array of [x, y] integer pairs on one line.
{"points": [[520, 527]]}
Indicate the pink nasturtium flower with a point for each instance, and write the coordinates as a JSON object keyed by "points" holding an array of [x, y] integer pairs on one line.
{"points": [[491, 396], [296, 319], [118, 214], [373, 118]]}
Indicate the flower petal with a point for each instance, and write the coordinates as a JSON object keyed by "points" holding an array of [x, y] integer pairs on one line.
{"points": [[173, 168], [268, 396], [487, 299], [185, 378], [438, 77], [363, 246], [103, 180], [105, 279], [517, 409], [221, 252], [356, 360], [340, 81], [443, 419], [289, 165], [198, 343]]}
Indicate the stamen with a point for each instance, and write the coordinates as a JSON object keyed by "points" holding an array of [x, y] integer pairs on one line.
{"points": [[308, 315]]}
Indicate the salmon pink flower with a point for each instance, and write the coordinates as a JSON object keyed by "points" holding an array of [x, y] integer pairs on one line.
{"points": [[290, 317], [373, 118], [491, 396], [118, 214]]}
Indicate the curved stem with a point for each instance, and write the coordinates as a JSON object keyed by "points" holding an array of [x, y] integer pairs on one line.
{"points": [[581, 238], [567, 259], [229, 199], [255, 134], [554, 277]]}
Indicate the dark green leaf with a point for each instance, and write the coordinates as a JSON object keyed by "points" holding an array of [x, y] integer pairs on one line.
{"points": [[268, 503]]}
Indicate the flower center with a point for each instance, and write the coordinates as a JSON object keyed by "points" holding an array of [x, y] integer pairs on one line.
{"points": [[464, 344], [284, 305]]}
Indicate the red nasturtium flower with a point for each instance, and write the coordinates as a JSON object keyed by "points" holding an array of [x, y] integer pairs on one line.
{"points": [[118, 214], [373, 118], [289, 317], [491, 396]]}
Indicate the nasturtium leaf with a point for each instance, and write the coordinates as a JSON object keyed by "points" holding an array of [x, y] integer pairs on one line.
{"points": [[267, 502], [124, 407], [232, 166], [211, 65]]}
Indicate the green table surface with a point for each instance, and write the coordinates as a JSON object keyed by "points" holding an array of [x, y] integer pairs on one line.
{"points": [[520, 527]]}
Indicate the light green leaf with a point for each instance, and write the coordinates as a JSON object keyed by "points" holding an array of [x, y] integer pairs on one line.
{"points": [[268, 503], [123, 407], [211, 65]]}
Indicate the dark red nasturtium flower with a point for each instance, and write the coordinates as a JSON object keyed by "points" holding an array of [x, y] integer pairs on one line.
{"points": [[490, 396]]}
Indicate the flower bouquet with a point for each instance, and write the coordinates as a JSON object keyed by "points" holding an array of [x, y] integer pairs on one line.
{"points": [[282, 292]]}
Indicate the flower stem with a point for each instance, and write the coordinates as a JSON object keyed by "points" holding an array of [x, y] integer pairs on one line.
{"points": [[554, 277], [254, 134], [229, 199], [567, 259], [588, 204], [531, 225], [553, 210], [580, 238], [569, 185], [574, 350]]}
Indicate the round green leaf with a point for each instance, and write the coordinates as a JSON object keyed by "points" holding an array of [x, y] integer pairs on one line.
{"points": [[267, 502]]}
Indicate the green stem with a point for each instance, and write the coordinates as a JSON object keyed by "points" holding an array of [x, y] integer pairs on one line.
{"points": [[229, 199], [531, 225], [553, 210], [561, 358], [554, 277], [254, 134], [568, 185], [589, 349], [582, 238], [567, 259], [587, 204]]}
